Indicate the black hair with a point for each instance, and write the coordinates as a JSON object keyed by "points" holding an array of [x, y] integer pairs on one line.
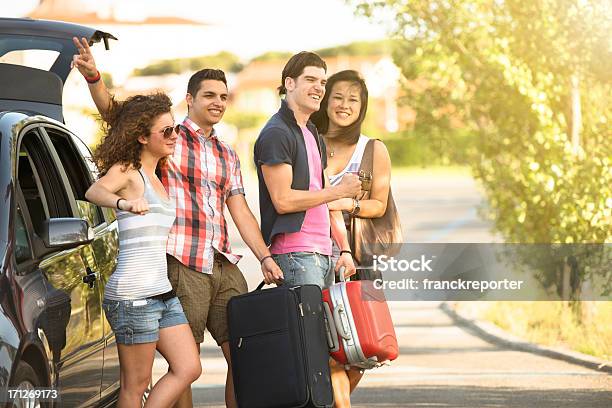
{"points": [[193, 86], [295, 67], [351, 133]]}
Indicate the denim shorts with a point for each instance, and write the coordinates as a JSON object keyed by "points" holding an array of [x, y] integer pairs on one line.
{"points": [[302, 268], [139, 321]]}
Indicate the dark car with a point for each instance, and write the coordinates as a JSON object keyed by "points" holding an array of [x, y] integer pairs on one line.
{"points": [[56, 249]]}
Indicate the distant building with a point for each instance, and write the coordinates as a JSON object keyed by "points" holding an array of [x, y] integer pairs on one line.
{"points": [[78, 12]]}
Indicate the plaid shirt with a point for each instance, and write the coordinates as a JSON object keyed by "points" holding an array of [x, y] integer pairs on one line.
{"points": [[201, 175]]}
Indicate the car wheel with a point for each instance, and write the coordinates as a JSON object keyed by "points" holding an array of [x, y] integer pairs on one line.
{"points": [[26, 379]]}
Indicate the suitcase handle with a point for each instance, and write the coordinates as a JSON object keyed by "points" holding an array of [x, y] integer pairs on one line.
{"points": [[330, 329], [338, 310], [341, 274]]}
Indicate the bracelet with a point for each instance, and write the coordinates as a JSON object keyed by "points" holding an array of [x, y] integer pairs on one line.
{"points": [[94, 79], [261, 261], [346, 251], [117, 205]]}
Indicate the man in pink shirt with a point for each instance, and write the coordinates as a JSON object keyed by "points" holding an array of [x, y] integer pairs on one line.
{"points": [[293, 190]]}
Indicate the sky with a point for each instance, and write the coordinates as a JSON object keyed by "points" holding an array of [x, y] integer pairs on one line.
{"points": [[248, 28]]}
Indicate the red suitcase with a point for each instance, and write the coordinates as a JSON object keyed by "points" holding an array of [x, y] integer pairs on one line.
{"points": [[361, 332]]}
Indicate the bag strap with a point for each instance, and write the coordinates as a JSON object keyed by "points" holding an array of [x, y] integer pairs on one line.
{"points": [[367, 162]]}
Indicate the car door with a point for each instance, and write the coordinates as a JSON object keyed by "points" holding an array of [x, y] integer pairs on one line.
{"points": [[78, 356], [81, 170]]}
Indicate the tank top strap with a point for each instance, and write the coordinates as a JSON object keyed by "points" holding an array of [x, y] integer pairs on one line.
{"points": [[152, 195], [144, 177]]}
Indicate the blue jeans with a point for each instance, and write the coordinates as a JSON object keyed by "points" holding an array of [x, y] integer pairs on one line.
{"points": [[302, 268], [139, 321]]}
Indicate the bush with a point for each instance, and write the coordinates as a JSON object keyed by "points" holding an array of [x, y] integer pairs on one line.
{"points": [[223, 60], [413, 148]]}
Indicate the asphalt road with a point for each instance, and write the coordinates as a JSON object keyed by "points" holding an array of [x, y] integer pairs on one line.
{"points": [[440, 364]]}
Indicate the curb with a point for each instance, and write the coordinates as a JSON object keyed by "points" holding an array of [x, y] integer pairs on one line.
{"points": [[495, 335]]}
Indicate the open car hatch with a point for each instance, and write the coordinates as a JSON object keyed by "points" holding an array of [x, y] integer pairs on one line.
{"points": [[35, 90]]}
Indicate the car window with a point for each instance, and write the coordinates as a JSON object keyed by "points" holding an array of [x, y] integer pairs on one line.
{"points": [[78, 173], [40, 59], [40, 182], [22, 244], [86, 154]]}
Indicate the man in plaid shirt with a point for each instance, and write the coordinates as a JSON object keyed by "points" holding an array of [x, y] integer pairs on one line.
{"points": [[202, 176]]}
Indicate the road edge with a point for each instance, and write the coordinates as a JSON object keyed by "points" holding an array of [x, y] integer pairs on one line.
{"points": [[493, 334]]}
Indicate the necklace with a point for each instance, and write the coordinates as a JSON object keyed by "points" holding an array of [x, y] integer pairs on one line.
{"points": [[331, 150]]}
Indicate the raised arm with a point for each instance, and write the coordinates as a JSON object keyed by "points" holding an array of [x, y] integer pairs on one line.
{"points": [[86, 65]]}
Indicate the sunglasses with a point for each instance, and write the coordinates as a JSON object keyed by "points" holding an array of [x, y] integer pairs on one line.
{"points": [[168, 130]]}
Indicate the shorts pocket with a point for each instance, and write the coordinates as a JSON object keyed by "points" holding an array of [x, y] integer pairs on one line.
{"points": [[111, 311], [110, 307], [326, 266], [174, 304], [299, 262]]}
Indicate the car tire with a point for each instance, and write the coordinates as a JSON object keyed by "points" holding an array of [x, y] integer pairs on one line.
{"points": [[25, 378]]}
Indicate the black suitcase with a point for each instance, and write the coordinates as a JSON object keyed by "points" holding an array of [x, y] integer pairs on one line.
{"points": [[279, 349]]}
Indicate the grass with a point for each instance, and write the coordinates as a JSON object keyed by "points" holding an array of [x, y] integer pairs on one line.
{"points": [[585, 327]]}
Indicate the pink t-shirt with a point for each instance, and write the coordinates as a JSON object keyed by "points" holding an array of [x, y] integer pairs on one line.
{"points": [[315, 233]]}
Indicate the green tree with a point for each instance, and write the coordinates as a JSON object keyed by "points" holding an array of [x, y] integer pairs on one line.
{"points": [[223, 60], [358, 48], [272, 56], [533, 80]]}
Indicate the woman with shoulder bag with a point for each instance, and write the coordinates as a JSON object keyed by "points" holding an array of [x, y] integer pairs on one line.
{"points": [[371, 217]]}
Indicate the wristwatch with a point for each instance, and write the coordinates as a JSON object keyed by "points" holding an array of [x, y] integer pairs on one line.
{"points": [[356, 207]]}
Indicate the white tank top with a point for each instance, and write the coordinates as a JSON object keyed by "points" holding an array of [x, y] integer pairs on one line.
{"points": [[354, 162], [352, 167], [141, 266]]}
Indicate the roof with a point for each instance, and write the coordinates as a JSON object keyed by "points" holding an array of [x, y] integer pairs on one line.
{"points": [[75, 11]]}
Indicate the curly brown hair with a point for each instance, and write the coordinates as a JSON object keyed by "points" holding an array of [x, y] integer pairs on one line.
{"points": [[124, 122]]}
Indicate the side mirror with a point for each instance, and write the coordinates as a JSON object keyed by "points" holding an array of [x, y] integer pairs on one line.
{"points": [[65, 233]]}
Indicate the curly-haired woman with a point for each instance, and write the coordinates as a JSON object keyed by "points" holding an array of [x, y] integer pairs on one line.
{"points": [[139, 304]]}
